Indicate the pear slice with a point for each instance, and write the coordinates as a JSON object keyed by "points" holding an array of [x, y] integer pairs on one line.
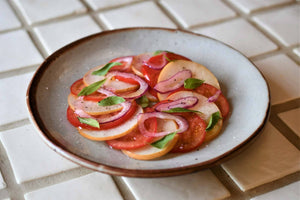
{"points": [[198, 71], [138, 62]]}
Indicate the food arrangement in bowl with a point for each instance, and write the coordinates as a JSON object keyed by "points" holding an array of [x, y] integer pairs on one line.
{"points": [[148, 105]]}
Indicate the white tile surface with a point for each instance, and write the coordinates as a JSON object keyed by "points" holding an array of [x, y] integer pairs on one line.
{"points": [[249, 6], [196, 186], [195, 12], [90, 187], [241, 35], [291, 118], [2, 183], [17, 50], [55, 35], [291, 191], [297, 51], [99, 4], [283, 76], [271, 157], [142, 14], [40, 10], [8, 19], [282, 23], [13, 103], [29, 156]]}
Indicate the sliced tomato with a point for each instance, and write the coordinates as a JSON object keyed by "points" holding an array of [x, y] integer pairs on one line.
{"points": [[151, 75], [158, 61], [126, 64], [78, 85], [72, 117], [135, 139], [174, 56], [127, 80], [193, 137]]}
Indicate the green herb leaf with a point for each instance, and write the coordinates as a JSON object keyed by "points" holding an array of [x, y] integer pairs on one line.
{"points": [[192, 83], [103, 71], [143, 101], [176, 110], [112, 100], [160, 51], [91, 88], [89, 121], [162, 142], [213, 120]]}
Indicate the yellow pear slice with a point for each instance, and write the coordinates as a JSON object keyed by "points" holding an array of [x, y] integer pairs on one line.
{"points": [[112, 133], [198, 71]]}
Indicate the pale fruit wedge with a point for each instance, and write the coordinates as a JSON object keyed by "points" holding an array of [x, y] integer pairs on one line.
{"points": [[113, 133], [206, 108], [115, 84], [198, 71], [138, 62], [91, 107]]}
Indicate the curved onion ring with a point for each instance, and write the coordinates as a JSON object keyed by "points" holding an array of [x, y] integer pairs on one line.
{"points": [[142, 117], [185, 102], [173, 83], [214, 97], [133, 95], [106, 92]]}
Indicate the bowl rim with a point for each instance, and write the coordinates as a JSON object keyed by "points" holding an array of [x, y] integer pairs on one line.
{"points": [[112, 170]]}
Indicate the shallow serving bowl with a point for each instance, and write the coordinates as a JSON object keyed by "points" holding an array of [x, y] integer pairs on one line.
{"points": [[240, 80]]}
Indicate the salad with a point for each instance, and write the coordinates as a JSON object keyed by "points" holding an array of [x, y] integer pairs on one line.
{"points": [[148, 105]]}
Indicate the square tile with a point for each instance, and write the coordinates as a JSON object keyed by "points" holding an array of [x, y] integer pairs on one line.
{"points": [[13, 105], [241, 35], [249, 6], [99, 4], [2, 183], [297, 51], [89, 187], [8, 19], [283, 76], [269, 158], [195, 12], [136, 15], [291, 118], [196, 186], [290, 191], [41, 10], [17, 50], [282, 23], [55, 35], [29, 156]]}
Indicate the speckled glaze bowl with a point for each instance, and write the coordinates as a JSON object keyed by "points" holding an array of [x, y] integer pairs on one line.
{"points": [[241, 82]]}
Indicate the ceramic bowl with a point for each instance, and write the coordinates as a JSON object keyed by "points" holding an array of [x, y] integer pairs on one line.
{"points": [[241, 82]]}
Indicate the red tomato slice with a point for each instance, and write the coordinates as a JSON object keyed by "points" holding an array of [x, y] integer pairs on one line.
{"points": [[134, 139], [173, 56], [158, 61], [72, 117], [193, 137], [127, 80], [126, 64], [151, 75], [78, 85]]}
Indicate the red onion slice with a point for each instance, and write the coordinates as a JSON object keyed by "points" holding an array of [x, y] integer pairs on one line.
{"points": [[132, 95], [214, 97], [107, 117], [126, 63], [174, 82], [185, 102], [181, 122], [157, 62], [106, 92]]}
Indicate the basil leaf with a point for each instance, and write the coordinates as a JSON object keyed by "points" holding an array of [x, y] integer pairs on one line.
{"points": [[143, 101], [89, 121], [176, 110], [112, 100], [192, 83], [160, 51], [91, 88], [213, 120], [103, 71], [160, 144]]}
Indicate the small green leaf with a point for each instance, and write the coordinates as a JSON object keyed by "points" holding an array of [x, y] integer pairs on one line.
{"points": [[103, 71], [143, 101], [192, 83], [176, 110], [89, 121], [160, 144], [160, 51], [112, 100], [213, 120], [91, 88]]}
